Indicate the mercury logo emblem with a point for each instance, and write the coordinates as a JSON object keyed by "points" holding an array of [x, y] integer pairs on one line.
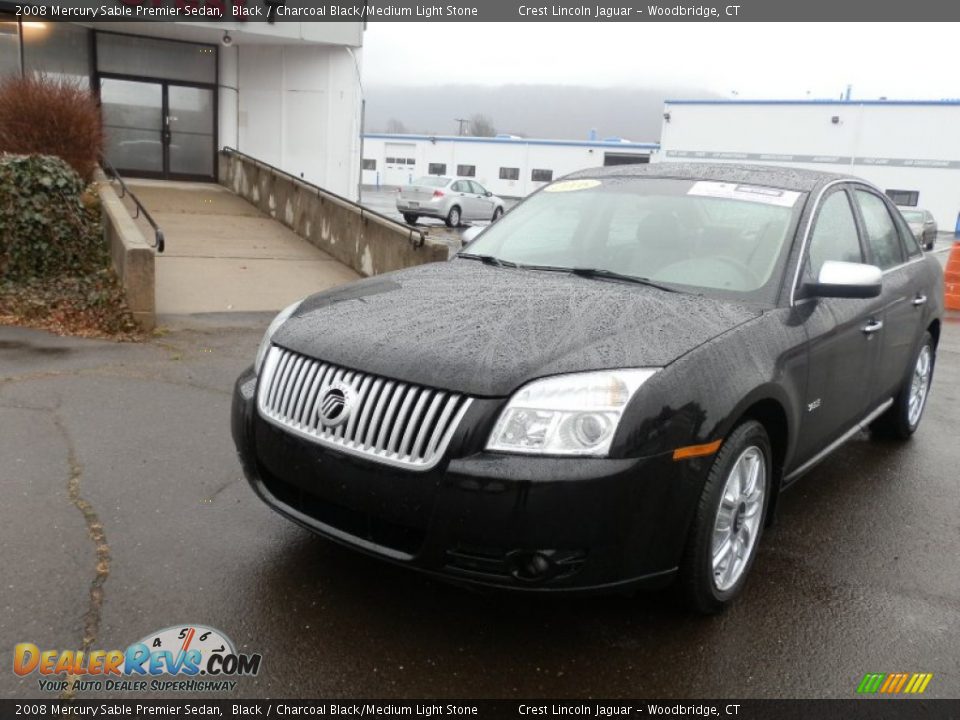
{"points": [[336, 404]]}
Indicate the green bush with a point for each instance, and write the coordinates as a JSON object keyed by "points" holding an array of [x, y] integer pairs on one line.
{"points": [[49, 225]]}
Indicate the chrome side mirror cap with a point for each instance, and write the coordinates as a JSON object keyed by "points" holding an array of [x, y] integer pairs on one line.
{"points": [[847, 280]]}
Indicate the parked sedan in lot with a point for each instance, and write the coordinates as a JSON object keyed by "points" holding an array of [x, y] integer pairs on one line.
{"points": [[922, 224], [453, 200], [608, 389]]}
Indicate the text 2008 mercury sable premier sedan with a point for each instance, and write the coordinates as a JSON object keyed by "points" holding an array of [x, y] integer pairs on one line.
{"points": [[608, 388]]}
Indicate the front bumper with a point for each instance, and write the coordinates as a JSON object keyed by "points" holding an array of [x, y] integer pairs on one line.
{"points": [[506, 521]]}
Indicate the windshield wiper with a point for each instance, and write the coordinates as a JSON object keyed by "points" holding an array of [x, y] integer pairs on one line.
{"points": [[488, 260], [611, 275]]}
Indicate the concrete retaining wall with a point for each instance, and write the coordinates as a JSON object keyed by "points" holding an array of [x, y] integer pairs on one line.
{"points": [[133, 259], [369, 244]]}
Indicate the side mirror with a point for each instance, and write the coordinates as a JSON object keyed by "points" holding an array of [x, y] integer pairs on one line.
{"points": [[468, 235], [488, 193], [847, 280]]}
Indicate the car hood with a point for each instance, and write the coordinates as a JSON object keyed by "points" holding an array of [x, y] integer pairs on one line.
{"points": [[485, 330]]}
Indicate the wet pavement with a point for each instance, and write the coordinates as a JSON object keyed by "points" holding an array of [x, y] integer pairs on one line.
{"points": [[124, 512]]}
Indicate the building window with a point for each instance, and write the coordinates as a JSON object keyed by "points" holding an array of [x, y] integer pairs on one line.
{"points": [[60, 50], [905, 198], [437, 169], [467, 170], [9, 44], [411, 161], [541, 175], [509, 173], [152, 57], [391, 161], [369, 164]]}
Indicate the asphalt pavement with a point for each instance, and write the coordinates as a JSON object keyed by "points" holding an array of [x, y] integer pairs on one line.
{"points": [[124, 512]]}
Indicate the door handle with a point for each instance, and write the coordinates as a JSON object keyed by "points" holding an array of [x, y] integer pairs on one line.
{"points": [[872, 327], [919, 300]]}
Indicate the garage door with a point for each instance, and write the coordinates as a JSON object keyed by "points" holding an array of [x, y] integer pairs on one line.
{"points": [[400, 164]]}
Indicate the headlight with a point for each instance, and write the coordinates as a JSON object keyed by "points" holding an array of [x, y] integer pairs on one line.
{"points": [[567, 414], [279, 320]]}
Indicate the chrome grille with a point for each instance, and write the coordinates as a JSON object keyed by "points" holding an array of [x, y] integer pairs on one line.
{"points": [[391, 422]]}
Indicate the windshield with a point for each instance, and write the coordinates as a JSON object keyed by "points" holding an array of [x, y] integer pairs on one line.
{"points": [[914, 216], [431, 181], [698, 236]]}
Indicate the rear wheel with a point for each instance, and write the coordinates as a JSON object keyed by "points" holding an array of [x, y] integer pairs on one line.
{"points": [[453, 217], [903, 417], [729, 520], [410, 218]]}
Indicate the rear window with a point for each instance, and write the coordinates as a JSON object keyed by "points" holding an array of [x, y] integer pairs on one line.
{"points": [[431, 181]]}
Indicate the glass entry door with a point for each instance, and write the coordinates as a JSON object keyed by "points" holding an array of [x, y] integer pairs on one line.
{"points": [[159, 129]]}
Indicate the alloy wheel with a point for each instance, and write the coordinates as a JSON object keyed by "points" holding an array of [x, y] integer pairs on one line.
{"points": [[919, 385], [737, 523]]}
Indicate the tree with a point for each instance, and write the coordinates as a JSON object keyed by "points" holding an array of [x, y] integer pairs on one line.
{"points": [[481, 126], [395, 127]]}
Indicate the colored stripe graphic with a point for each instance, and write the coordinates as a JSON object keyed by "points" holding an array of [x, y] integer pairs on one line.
{"points": [[894, 683]]}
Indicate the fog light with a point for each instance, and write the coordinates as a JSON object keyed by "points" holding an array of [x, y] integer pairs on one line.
{"points": [[530, 566]]}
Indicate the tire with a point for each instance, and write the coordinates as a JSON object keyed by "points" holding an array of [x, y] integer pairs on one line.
{"points": [[453, 217], [410, 218], [904, 416], [497, 214], [708, 586]]}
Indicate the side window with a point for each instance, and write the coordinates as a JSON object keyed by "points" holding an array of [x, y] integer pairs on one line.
{"points": [[460, 186], [906, 235], [477, 188], [834, 235], [881, 233]]}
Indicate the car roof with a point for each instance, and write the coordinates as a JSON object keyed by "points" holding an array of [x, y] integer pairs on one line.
{"points": [[785, 178]]}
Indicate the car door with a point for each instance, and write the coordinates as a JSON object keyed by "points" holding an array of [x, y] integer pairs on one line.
{"points": [[841, 332], [484, 201], [902, 298], [463, 198]]}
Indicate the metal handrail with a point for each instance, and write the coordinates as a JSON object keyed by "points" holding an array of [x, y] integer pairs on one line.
{"points": [[227, 150], [159, 242]]}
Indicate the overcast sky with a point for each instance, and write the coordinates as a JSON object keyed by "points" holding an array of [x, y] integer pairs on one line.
{"points": [[780, 60]]}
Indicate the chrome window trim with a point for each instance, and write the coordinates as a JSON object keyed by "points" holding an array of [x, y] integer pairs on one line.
{"points": [[807, 230]]}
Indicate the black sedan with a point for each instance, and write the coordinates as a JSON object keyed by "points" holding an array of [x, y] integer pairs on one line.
{"points": [[607, 389]]}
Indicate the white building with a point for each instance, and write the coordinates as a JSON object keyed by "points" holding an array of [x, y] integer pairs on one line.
{"points": [[910, 149], [173, 93], [506, 165]]}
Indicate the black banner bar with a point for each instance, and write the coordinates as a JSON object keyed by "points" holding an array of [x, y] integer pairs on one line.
{"points": [[860, 709], [274, 11]]}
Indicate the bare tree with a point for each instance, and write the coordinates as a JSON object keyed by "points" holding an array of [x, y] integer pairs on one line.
{"points": [[481, 126], [395, 127]]}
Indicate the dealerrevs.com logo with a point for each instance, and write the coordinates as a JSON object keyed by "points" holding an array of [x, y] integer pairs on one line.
{"points": [[186, 658]]}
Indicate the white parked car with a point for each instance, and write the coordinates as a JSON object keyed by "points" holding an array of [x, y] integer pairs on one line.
{"points": [[453, 200]]}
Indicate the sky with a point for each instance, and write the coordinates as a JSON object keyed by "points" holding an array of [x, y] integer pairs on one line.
{"points": [[746, 60]]}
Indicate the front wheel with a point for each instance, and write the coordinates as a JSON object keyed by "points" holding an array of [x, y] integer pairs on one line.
{"points": [[729, 520], [902, 419], [497, 214], [453, 217]]}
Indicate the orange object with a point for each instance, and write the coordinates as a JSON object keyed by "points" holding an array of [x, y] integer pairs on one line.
{"points": [[691, 451], [951, 279]]}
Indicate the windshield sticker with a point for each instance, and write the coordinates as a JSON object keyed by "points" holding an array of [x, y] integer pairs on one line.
{"points": [[748, 193], [572, 185]]}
